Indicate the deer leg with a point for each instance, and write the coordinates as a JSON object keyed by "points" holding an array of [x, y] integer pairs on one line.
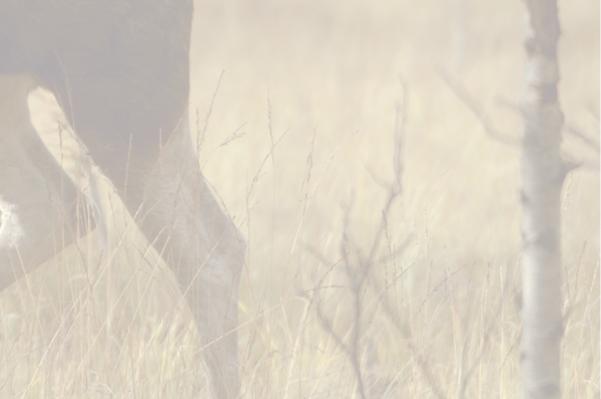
{"points": [[205, 251], [37, 199]]}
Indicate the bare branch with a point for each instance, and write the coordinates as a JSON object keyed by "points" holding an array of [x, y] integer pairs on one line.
{"points": [[477, 110], [359, 273], [590, 141]]}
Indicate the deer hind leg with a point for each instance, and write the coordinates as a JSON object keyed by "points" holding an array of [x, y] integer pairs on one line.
{"points": [[37, 200], [205, 251]]}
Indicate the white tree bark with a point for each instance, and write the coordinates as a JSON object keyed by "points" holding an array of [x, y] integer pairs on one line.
{"points": [[543, 173]]}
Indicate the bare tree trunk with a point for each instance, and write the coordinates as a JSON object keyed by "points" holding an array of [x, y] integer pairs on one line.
{"points": [[543, 173]]}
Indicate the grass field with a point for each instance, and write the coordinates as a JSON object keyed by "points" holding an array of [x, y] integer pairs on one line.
{"points": [[296, 104]]}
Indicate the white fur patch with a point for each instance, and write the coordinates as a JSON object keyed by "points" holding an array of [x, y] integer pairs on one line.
{"points": [[11, 231]]}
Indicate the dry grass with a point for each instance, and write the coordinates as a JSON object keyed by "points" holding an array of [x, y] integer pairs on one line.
{"points": [[302, 122]]}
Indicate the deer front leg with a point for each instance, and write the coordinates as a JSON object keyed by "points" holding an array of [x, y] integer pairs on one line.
{"points": [[205, 251]]}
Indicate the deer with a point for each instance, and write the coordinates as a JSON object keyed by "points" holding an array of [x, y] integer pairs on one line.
{"points": [[118, 71]]}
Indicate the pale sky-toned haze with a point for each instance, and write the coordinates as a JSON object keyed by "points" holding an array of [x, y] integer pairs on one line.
{"points": [[283, 199]]}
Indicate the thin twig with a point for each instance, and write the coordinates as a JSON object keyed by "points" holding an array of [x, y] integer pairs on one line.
{"points": [[359, 273], [201, 134], [477, 110], [590, 141]]}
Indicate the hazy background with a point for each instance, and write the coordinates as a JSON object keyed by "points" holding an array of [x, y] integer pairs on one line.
{"points": [[298, 99], [335, 73]]}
